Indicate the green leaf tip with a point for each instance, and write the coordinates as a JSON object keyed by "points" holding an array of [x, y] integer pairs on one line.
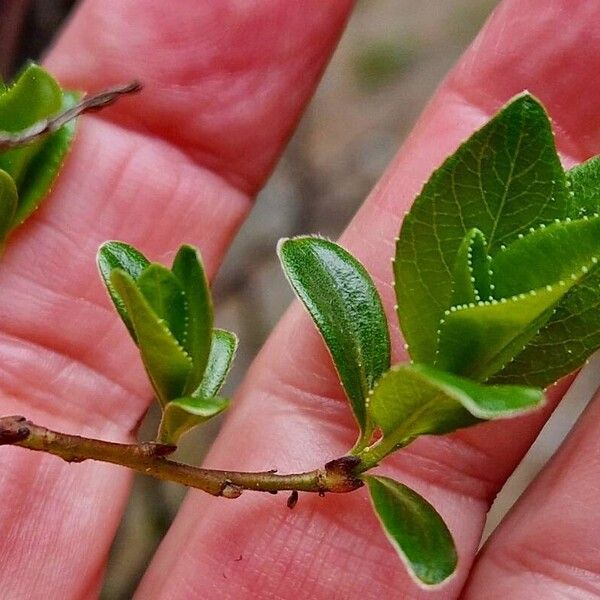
{"points": [[343, 301], [415, 529]]}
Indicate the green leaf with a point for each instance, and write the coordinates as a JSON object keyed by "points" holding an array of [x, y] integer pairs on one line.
{"points": [[415, 529], [166, 297], [558, 262], [35, 95], [188, 269], [548, 255], [414, 400], [472, 275], [183, 414], [118, 255], [477, 340], [344, 304], [45, 165], [584, 182], [8, 202], [222, 352], [503, 180], [167, 364]]}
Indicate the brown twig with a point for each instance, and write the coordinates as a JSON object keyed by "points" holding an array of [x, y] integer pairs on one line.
{"points": [[336, 476], [47, 126]]}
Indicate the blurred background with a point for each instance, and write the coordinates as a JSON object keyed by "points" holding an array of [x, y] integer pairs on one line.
{"points": [[390, 60]]}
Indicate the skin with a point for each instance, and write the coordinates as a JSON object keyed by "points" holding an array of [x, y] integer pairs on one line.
{"points": [[224, 88]]}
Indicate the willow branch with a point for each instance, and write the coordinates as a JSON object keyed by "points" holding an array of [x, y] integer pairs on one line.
{"points": [[47, 126], [149, 458]]}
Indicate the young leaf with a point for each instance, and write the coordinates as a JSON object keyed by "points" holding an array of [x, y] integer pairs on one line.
{"points": [[166, 297], [188, 269], [222, 352], [414, 400], [548, 255], [45, 164], [503, 180], [415, 529], [34, 96], [8, 202], [344, 304], [183, 414], [118, 255], [565, 342], [472, 275], [477, 340], [167, 364]]}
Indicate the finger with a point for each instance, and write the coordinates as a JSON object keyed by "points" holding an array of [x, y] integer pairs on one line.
{"points": [[287, 414], [66, 361], [225, 81], [547, 547]]}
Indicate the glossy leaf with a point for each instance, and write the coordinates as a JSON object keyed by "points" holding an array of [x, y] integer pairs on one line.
{"points": [[167, 364], [472, 275], [415, 529], [414, 400], [222, 352], [118, 255], [166, 297], [503, 180], [344, 304], [183, 414], [8, 202], [188, 269]]}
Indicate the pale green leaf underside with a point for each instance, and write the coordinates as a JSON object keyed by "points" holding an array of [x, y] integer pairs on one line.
{"points": [[188, 269], [343, 302], [222, 352], [415, 529], [183, 414], [414, 400], [166, 362], [505, 179], [118, 255]]}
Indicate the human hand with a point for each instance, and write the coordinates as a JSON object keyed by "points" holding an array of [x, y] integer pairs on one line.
{"points": [[180, 163]]}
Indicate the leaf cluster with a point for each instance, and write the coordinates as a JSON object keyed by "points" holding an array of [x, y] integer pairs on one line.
{"points": [[169, 315], [497, 284], [27, 173]]}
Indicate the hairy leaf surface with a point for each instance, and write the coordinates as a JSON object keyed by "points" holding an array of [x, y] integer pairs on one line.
{"points": [[341, 298]]}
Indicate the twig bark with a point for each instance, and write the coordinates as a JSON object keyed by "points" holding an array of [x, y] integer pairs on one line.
{"points": [[149, 458], [47, 126]]}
